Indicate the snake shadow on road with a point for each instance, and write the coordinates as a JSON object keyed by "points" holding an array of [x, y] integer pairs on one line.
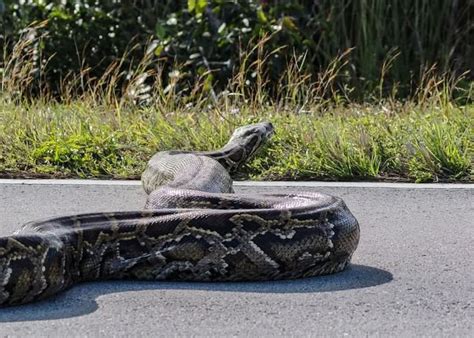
{"points": [[81, 299]]}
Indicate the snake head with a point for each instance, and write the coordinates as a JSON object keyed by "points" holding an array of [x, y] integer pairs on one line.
{"points": [[245, 141], [263, 130], [252, 136]]}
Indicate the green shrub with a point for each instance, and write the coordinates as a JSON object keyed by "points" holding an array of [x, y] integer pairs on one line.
{"points": [[207, 42], [213, 38], [78, 34]]}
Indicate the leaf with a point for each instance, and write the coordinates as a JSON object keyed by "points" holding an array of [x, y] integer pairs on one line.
{"points": [[288, 23], [261, 15], [197, 6], [59, 14], [159, 49], [207, 86], [160, 31], [201, 6], [191, 5], [221, 28]]}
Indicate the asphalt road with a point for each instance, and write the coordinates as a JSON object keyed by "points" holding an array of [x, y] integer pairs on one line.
{"points": [[413, 274]]}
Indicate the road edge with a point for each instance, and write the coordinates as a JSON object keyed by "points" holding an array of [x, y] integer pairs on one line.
{"points": [[310, 184]]}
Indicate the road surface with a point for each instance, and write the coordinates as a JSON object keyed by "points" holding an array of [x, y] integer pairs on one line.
{"points": [[413, 273]]}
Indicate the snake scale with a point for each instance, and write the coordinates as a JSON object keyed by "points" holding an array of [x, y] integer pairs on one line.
{"points": [[194, 228]]}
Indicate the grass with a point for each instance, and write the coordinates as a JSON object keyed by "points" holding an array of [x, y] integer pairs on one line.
{"points": [[418, 31], [97, 131], [407, 143]]}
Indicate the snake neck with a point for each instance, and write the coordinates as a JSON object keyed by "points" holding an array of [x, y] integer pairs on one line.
{"points": [[231, 157], [237, 151]]}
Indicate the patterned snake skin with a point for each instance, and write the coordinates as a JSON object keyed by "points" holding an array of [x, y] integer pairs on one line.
{"points": [[195, 229]]}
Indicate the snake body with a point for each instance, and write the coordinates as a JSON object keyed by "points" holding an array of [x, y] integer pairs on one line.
{"points": [[194, 228]]}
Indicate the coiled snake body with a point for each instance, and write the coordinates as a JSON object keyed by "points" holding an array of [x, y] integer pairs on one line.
{"points": [[195, 229]]}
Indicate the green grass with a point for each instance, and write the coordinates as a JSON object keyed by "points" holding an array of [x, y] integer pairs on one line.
{"points": [[407, 142], [110, 126]]}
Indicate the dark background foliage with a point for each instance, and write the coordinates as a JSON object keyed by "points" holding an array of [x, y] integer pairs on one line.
{"points": [[207, 38]]}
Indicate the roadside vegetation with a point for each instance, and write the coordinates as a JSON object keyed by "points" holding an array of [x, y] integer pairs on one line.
{"points": [[340, 113], [319, 135]]}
